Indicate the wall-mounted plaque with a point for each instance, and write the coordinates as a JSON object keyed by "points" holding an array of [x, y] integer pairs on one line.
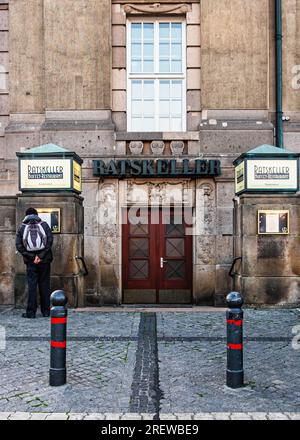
{"points": [[52, 217], [273, 222]]}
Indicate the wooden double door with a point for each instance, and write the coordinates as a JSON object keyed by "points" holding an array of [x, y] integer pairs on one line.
{"points": [[157, 257]]}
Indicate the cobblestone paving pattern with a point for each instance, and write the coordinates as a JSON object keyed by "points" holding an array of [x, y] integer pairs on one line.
{"points": [[99, 372], [183, 356], [192, 373]]}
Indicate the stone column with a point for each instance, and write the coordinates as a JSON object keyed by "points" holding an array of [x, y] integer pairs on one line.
{"points": [[271, 263], [7, 249], [205, 243]]}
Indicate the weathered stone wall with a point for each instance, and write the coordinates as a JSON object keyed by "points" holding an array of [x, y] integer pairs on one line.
{"points": [[7, 249], [291, 72], [68, 82], [234, 37], [57, 53], [291, 55], [77, 54], [4, 90], [270, 264], [26, 43]]}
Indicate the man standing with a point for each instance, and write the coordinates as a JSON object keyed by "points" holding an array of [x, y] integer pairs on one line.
{"points": [[34, 241]]}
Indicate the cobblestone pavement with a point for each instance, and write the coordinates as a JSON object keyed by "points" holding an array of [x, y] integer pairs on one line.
{"points": [[163, 365]]}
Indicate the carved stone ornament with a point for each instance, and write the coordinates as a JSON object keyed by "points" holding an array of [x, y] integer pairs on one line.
{"points": [[157, 147], [177, 148], [136, 147], [207, 189], [157, 8]]}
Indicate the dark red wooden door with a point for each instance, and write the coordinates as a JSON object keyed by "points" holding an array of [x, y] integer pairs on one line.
{"points": [[157, 258]]}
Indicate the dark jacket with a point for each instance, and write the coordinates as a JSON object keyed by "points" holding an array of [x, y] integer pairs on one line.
{"points": [[46, 254]]}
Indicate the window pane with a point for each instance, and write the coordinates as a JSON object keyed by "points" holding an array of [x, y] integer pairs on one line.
{"points": [[176, 124], [136, 66], [136, 31], [176, 66], [136, 89], [148, 89], [176, 51], [148, 66], [136, 124], [148, 31], [148, 50], [164, 89], [176, 89], [138, 269], [164, 66], [136, 51], [149, 108], [136, 108], [176, 108], [164, 124], [149, 124], [164, 31], [164, 50], [164, 108], [176, 31], [139, 247]]}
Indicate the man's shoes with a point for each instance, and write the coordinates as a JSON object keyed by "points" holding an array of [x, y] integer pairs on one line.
{"points": [[46, 314], [28, 315]]}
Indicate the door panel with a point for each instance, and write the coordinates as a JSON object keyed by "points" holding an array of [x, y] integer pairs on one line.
{"points": [[157, 259], [139, 250], [176, 253]]}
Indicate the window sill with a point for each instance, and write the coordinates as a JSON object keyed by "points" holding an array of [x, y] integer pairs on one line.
{"points": [[157, 136]]}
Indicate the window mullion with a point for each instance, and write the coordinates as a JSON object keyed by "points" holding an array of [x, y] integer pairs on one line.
{"points": [[156, 71], [156, 48], [142, 47]]}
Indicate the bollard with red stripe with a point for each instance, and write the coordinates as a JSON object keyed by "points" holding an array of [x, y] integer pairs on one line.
{"points": [[58, 313], [234, 315]]}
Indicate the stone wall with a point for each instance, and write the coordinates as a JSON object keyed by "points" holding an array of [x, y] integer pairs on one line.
{"points": [[7, 250], [234, 30], [4, 90], [58, 48], [270, 264], [67, 75]]}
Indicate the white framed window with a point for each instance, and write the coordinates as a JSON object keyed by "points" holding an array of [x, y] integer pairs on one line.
{"points": [[156, 75]]}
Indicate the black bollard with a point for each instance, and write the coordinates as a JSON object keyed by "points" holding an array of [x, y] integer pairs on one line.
{"points": [[234, 316], [58, 313]]}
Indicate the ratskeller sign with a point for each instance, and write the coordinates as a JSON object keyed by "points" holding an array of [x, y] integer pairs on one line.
{"points": [[267, 169], [49, 168], [157, 168]]}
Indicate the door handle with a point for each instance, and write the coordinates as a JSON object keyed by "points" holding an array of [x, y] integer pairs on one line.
{"points": [[162, 261]]}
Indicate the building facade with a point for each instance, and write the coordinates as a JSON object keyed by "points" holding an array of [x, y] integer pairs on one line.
{"points": [[149, 83]]}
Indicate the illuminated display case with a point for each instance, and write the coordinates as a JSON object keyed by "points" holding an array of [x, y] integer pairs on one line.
{"points": [[49, 168], [267, 169], [271, 222]]}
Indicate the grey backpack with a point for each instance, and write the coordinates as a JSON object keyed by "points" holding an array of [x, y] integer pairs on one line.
{"points": [[34, 237]]}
